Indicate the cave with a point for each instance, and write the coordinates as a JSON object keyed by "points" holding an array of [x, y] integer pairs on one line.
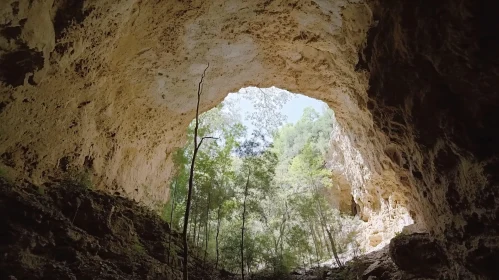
{"points": [[110, 86]]}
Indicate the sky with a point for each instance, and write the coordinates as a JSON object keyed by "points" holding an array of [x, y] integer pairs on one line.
{"points": [[292, 108]]}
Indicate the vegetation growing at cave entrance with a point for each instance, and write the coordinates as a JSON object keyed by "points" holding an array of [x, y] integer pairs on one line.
{"points": [[260, 197]]}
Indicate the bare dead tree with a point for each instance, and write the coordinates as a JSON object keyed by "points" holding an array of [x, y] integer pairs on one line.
{"points": [[191, 176]]}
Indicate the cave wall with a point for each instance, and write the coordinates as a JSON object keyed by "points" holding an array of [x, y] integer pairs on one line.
{"points": [[384, 202], [115, 81], [434, 69]]}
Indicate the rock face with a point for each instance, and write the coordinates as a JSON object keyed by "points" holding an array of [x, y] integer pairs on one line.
{"points": [[433, 92], [113, 87], [374, 196], [383, 264], [418, 254], [116, 86], [70, 232], [107, 87]]}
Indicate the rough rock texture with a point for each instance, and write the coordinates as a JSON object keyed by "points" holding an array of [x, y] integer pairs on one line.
{"points": [[117, 85], [384, 264], [418, 254], [433, 92], [69, 232], [109, 86], [360, 191]]}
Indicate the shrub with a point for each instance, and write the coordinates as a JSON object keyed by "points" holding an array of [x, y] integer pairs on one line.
{"points": [[78, 179]]}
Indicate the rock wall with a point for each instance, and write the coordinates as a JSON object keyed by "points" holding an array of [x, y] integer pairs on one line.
{"points": [[433, 92], [377, 198], [109, 86], [116, 84]]}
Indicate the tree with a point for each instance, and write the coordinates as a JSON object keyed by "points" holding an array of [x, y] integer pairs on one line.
{"points": [[258, 167], [268, 104], [191, 176], [226, 174], [258, 203]]}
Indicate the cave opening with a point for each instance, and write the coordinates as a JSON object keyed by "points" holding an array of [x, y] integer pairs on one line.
{"points": [[110, 89], [271, 160]]}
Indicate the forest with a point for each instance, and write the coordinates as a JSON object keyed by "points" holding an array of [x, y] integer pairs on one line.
{"points": [[261, 189]]}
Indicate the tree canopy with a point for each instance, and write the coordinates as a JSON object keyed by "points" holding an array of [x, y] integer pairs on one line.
{"points": [[259, 201]]}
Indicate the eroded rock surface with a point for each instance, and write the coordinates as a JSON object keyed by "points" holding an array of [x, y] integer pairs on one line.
{"points": [[380, 265], [418, 254], [69, 232], [433, 92], [117, 85]]}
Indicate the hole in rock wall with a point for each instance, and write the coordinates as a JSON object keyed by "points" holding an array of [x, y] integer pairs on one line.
{"points": [[276, 157]]}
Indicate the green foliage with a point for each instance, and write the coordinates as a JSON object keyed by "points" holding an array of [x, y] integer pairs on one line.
{"points": [[40, 190], [139, 248], [267, 117], [287, 210], [230, 246], [6, 174], [78, 179]]}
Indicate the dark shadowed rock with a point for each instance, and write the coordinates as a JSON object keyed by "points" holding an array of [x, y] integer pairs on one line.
{"points": [[418, 254], [76, 233]]}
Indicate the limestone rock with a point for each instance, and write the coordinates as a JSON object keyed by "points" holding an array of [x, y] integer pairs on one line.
{"points": [[108, 87]]}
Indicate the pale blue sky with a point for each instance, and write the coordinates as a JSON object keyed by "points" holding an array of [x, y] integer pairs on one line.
{"points": [[292, 108]]}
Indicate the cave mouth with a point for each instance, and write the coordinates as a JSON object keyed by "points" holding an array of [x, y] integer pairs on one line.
{"points": [[270, 154], [413, 91]]}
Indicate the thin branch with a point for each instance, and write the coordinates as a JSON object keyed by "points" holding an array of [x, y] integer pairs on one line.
{"points": [[206, 137], [200, 90]]}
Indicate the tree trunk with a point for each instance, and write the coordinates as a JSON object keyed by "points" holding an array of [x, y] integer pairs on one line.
{"points": [[191, 230], [315, 242], [333, 246], [319, 239], [206, 232], [242, 228], [173, 203], [218, 232], [172, 199], [219, 217], [185, 273], [330, 236], [323, 236], [283, 228], [199, 230], [195, 214]]}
